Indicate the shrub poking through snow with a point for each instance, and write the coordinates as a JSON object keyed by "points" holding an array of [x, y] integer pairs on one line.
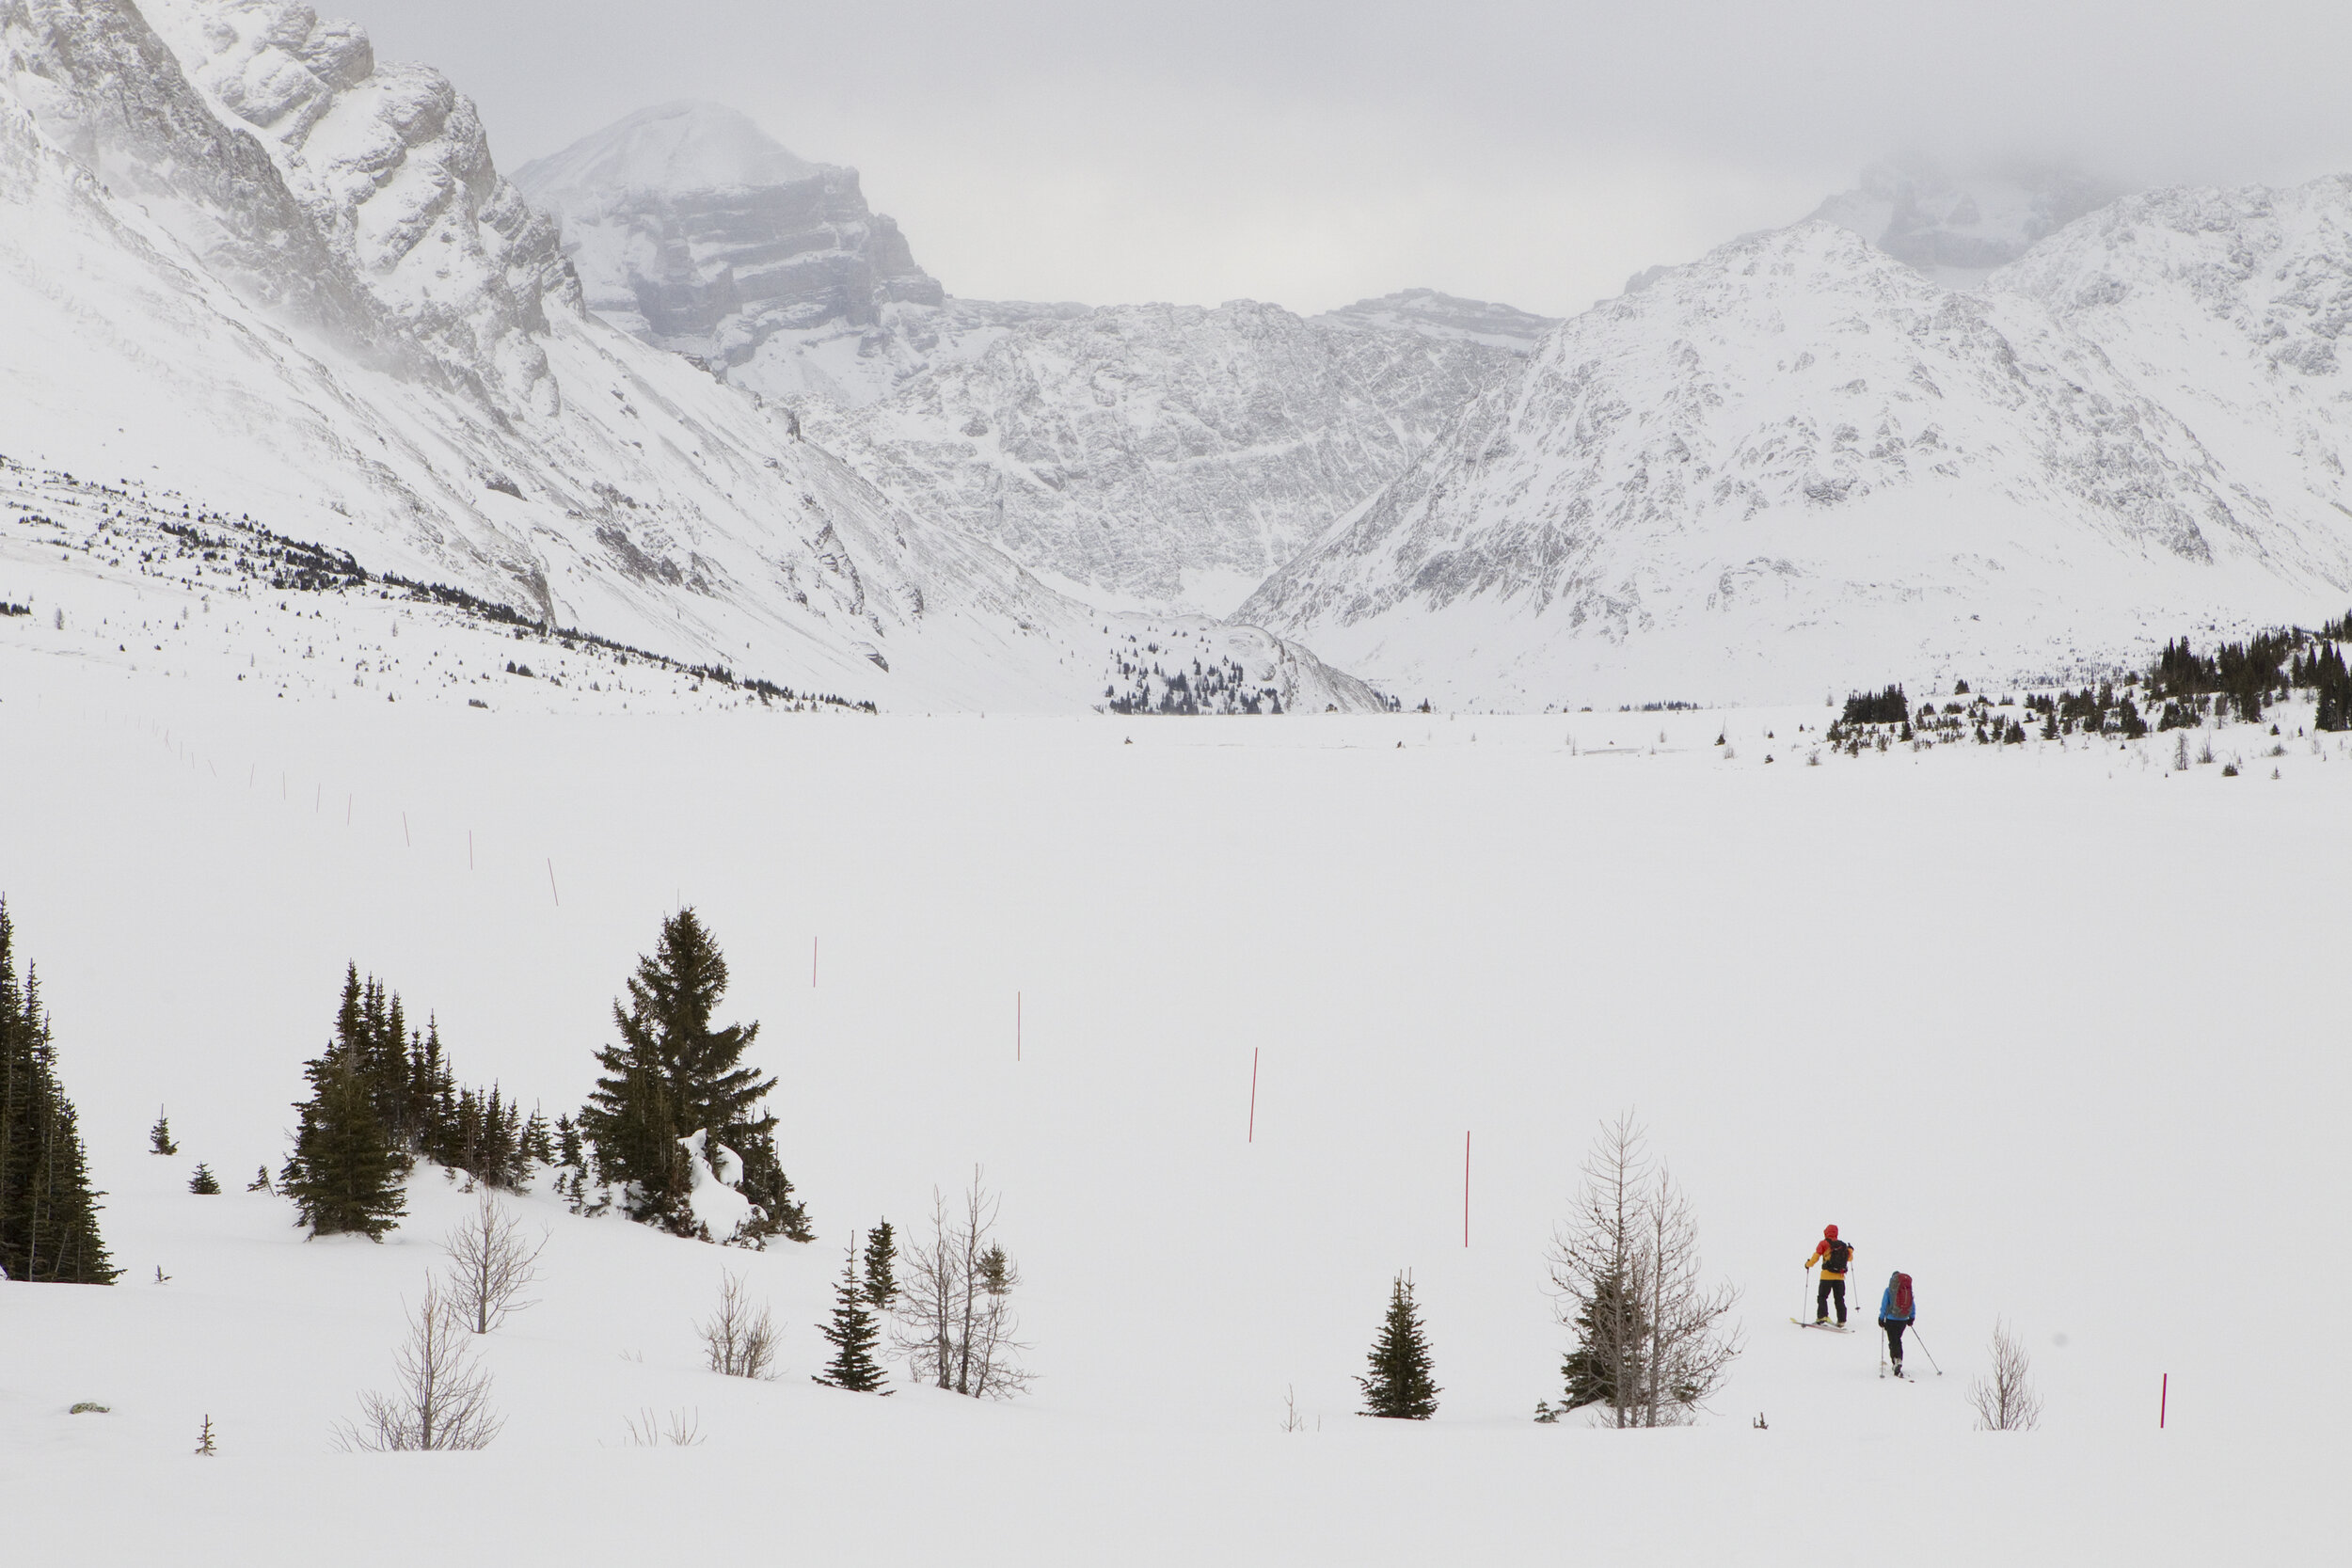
{"points": [[492, 1262], [738, 1338], [204, 1184], [1401, 1386], [441, 1395], [2003, 1398]]}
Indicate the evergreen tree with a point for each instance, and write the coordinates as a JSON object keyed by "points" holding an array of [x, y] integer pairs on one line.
{"points": [[159, 1136], [1399, 1386], [1611, 1332], [259, 1182], [674, 1074], [48, 1210], [853, 1334], [343, 1174], [204, 1184], [881, 1280]]}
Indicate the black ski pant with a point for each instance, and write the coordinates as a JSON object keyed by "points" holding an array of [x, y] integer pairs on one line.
{"points": [[1821, 1298], [1895, 1327]]}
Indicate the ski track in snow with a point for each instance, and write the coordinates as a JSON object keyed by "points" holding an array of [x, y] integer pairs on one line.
{"points": [[2042, 1026]]}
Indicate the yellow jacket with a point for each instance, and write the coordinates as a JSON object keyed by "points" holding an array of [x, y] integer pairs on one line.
{"points": [[1821, 1251]]}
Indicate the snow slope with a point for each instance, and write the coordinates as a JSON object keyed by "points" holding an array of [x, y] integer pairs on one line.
{"points": [[1796, 460], [2063, 1057], [302, 294]]}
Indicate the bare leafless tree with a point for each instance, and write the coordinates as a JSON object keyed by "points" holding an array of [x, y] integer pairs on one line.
{"points": [[2004, 1396], [683, 1430], [492, 1262], [1292, 1420], [1625, 1269], [442, 1398], [954, 1321], [739, 1335]]}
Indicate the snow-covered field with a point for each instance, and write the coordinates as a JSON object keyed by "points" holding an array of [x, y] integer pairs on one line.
{"points": [[2055, 1030]]}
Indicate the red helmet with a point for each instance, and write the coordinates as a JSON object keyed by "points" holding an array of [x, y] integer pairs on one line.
{"points": [[1829, 1232]]}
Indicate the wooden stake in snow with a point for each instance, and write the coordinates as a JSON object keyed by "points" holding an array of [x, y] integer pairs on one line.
{"points": [[551, 893], [1253, 1094]]}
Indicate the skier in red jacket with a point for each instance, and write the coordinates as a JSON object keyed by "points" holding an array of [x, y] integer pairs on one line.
{"points": [[1834, 1255]]}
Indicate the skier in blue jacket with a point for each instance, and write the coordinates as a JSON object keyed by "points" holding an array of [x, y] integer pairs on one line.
{"points": [[1899, 1309]]}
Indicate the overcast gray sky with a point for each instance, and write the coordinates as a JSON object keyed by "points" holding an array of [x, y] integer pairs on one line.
{"points": [[1312, 153]]}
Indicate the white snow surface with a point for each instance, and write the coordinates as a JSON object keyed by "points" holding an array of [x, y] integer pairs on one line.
{"points": [[2045, 1026], [1796, 458]]}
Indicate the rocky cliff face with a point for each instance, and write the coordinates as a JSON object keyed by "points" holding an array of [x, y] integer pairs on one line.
{"points": [[697, 232], [1798, 459], [1171, 455]]}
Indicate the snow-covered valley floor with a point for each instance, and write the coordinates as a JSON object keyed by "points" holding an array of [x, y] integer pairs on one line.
{"points": [[2057, 1031]]}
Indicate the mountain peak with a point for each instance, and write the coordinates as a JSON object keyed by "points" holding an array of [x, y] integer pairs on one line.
{"points": [[670, 149], [1956, 228]]}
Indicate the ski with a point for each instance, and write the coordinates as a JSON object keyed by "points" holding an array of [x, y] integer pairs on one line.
{"points": [[1833, 1328]]}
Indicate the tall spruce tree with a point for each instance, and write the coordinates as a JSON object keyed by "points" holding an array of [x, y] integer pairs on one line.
{"points": [[48, 1210], [674, 1074], [343, 1174], [853, 1334], [1401, 1386]]}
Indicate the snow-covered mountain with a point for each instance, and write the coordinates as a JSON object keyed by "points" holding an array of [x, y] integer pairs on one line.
{"points": [[242, 260], [1957, 229], [1158, 454], [1171, 454], [1798, 462], [694, 230]]}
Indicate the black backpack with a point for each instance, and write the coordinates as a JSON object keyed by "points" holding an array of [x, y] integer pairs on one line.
{"points": [[1836, 1262]]}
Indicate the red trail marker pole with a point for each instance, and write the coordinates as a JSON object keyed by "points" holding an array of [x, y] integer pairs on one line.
{"points": [[2164, 1397], [470, 848], [1253, 1094]]}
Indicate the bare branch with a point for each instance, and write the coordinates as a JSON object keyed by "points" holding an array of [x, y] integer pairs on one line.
{"points": [[2004, 1398], [738, 1338], [442, 1396], [953, 1320], [491, 1263]]}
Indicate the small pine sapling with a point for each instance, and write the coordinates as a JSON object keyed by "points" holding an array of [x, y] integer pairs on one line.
{"points": [[882, 1252], [259, 1182], [854, 1333], [1401, 1387], [204, 1184], [159, 1136]]}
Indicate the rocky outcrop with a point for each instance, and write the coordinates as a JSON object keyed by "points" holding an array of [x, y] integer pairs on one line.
{"points": [[697, 232]]}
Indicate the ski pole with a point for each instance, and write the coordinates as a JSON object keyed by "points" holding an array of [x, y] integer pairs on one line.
{"points": [[1923, 1346]]}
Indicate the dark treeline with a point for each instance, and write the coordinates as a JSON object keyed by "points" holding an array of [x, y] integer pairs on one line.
{"points": [[48, 1211]]}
